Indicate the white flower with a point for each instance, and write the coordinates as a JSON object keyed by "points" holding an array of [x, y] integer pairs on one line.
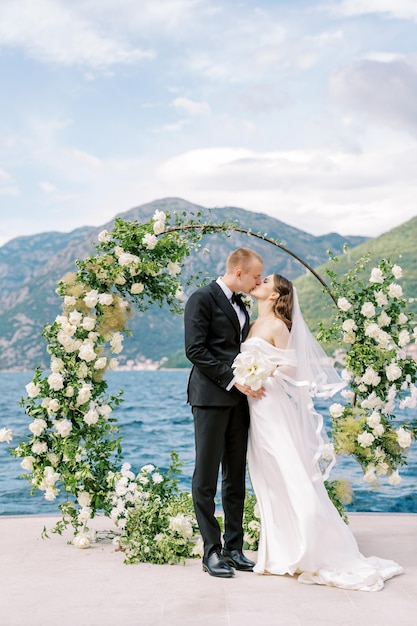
{"points": [[395, 291], [404, 437], [148, 468], [125, 258], [157, 478], [6, 435], [39, 447], [404, 338], [53, 406], [91, 298], [84, 498], [174, 268], [348, 395], [370, 476], [84, 394], [366, 439], [346, 375], [374, 419], [137, 288], [344, 304], [397, 271], [394, 478], [101, 363], [56, 365], [32, 389], [84, 514], [75, 318], [88, 323], [113, 364], [349, 325], [105, 299], [380, 298], [50, 494], [116, 344], [371, 377], [86, 352], [393, 371], [91, 417], [336, 410], [149, 241], [158, 227], [27, 463], [81, 541], [55, 381], [69, 300], [402, 319], [53, 458], [378, 430], [182, 525], [104, 236], [105, 410], [349, 338], [376, 276], [368, 309], [252, 368], [159, 216], [37, 427], [63, 427], [384, 319]]}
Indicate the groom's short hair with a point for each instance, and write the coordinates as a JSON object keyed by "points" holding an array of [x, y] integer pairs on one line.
{"points": [[241, 258]]}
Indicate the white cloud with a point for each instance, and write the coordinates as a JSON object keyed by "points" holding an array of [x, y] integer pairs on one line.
{"points": [[402, 9], [53, 32], [191, 107]]}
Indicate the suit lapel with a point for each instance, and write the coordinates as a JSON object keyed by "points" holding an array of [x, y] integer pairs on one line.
{"points": [[225, 305]]}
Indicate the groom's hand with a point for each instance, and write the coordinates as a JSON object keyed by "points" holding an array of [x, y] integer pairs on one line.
{"points": [[251, 393]]}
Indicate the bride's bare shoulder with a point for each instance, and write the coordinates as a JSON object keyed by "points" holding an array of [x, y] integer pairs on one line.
{"points": [[280, 333]]}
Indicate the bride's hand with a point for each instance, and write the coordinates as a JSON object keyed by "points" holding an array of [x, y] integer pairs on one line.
{"points": [[251, 393]]}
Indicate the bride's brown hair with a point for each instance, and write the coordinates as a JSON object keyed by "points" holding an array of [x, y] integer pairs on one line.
{"points": [[284, 304]]}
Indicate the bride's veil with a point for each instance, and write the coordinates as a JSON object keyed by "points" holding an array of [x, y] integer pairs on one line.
{"points": [[316, 377]]}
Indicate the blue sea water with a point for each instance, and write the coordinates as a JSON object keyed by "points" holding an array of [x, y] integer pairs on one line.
{"points": [[155, 419]]}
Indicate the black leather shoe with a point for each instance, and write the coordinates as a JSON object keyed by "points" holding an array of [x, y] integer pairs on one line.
{"points": [[215, 565], [238, 560]]}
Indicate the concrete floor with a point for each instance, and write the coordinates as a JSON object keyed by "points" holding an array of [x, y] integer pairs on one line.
{"points": [[46, 582]]}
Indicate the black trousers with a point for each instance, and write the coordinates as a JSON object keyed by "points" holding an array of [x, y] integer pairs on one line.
{"points": [[221, 437]]}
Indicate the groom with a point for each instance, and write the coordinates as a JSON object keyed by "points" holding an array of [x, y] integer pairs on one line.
{"points": [[216, 322]]}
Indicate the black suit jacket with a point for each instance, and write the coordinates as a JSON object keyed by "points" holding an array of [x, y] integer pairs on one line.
{"points": [[212, 341]]}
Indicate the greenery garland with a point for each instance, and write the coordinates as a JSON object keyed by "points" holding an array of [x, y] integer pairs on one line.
{"points": [[74, 444]]}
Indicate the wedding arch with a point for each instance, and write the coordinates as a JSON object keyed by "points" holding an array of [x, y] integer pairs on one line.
{"points": [[74, 446]]}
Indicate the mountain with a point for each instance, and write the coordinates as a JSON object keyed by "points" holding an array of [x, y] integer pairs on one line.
{"points": [[30, 268]]}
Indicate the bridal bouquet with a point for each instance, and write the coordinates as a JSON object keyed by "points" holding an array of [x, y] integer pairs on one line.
{"points": [[252, 368]]}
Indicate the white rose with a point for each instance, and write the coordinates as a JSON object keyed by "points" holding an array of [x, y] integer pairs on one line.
{"points": [[55, 381], [37, 427], [81, 541], [159, 216], [104, 236], [69, 300], [344, 304], [113, 364], [105, 299], [128, 259], [27, 463], [336, 410], [32, 389], [158, 227], [116, 343], [137, 288], [91, 298], [84, 395], [69, 391], [393, 371], [84, 514], [84, 498], [86, 352], [105, 410], [380, 298], [63, 427], [404, 437], [348, 395], [56, 364], [91, 417], [374, 419], [39, 447], [371, 377], [53, 458], [369, 476], [88, 323], [50, 494], [349, 338], [6, 435], [157, 478], [75, 317], [349, 325], [101, 363], [368, 309], [395, 291], [346, 375], [394, 478], [376, 276], [397, 271], [403, 338], [402, 319], [148, 468], [149, 241], [378, 430], [174, 268], [384, 319], [53, 406], [365, 439]]}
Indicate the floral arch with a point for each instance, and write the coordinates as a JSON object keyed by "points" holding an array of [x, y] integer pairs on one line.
{"points": [[74, 445]]}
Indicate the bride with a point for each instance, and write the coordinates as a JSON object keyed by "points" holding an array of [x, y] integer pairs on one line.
{"points": [[289, 456]]}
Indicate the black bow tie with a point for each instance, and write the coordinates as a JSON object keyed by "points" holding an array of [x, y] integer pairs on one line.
{"points": [[237, 299]]}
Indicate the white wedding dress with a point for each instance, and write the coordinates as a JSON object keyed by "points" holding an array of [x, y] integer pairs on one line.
{"points": [[301, 530]]}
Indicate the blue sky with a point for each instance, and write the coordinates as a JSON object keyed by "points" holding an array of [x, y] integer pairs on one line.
{"points": [[303, 110]]}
